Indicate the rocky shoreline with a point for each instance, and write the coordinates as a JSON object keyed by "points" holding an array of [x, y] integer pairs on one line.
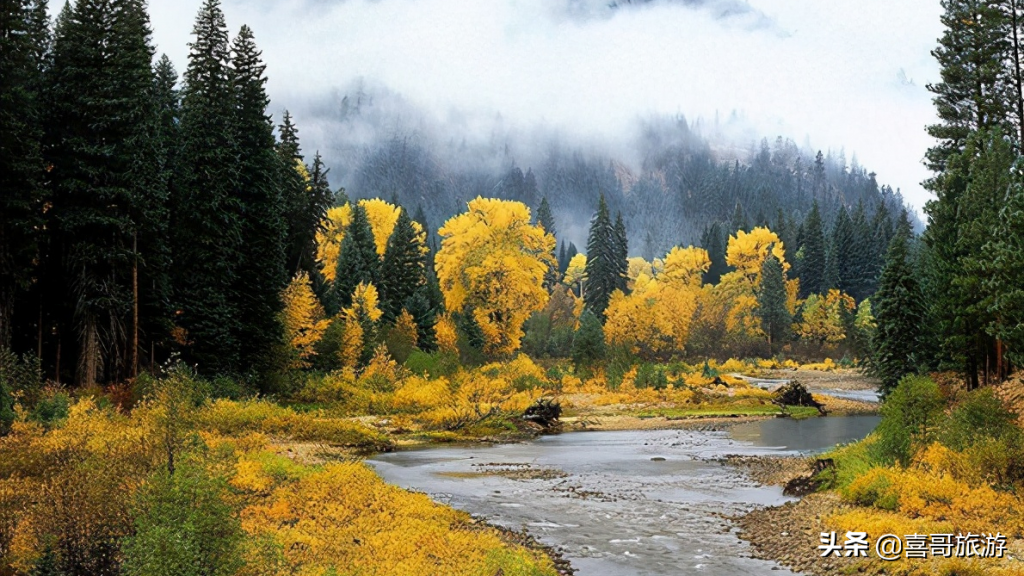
{"points": [[790, 534]]}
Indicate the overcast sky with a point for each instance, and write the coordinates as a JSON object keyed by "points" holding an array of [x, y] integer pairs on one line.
{"points": [[836, 73]]}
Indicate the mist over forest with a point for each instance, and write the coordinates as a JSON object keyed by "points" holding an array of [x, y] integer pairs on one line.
{"points": [[671, 177]]}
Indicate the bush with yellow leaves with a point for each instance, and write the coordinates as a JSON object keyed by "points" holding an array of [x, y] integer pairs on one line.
{"points": [[231, 418], [345, 515]]}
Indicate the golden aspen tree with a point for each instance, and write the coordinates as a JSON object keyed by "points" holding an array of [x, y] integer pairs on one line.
{"points": [[493, 261], [447, 335], [576, 273], [328, 239], [360, 326], [303, 319]]}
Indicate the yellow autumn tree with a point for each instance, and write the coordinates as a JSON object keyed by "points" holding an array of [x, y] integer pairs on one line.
{"points": [[303, 318], [576, 273], [654, 320], [493, 261], [823, 317], [447, 335], [747, 252], [329, 237], [687, 265], [360, 326]]}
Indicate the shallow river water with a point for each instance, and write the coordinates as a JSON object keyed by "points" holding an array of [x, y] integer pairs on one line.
{"points": [[623, 503]]}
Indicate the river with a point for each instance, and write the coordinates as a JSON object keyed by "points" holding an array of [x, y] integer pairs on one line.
{"points": [[630, 503]]}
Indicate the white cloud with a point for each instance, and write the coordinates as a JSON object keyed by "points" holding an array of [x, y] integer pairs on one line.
{"points": [[827, 71]]}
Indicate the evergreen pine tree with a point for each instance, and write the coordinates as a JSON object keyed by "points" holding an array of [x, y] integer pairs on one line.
{"points": [[154, 247], [104, 170], [771, 304], [620, 255], [714, 242], [545, 218], [23, 48], [739, 220], [862, 270], [261, 274], [305, 203], [602, 270], [1004, 273], [206, 222], [841, 249], [588, 347], [899, 312], [970, 96], [402, 270], [812, 265], [357, 260]]}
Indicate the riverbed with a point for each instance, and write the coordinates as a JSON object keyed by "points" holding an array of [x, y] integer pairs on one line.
{"points": [[653, 502]]}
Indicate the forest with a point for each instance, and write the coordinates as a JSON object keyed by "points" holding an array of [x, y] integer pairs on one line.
{"points": [[200, 337]]}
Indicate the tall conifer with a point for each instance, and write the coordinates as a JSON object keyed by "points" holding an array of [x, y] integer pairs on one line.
{"points": [[206, 214]]}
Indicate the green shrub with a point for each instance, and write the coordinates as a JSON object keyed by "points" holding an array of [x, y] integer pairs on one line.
{"points": [[588, 346], [433, 365], [980, 415], [874, 489], [650, 376], [21, 378], [911, 414], [52, 409], [183, 527], [851, 462]]}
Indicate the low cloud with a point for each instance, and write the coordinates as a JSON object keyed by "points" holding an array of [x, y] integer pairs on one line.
{"points": [[839, 74]]}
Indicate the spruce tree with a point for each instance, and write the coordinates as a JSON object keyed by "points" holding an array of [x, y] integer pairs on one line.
{"points": [[714, 242], [862, 268], [104, 171], [154, 265], [841, 249], [1004, 273], [739, 220], [402, 271], [602, 270], [545, 218], [301, 218], [812, 265], [970, 95], [206, 215], [357, 260], [261, 274], [588, 347], [621, 254], [899, 311], [23, 48], [771, 304]]}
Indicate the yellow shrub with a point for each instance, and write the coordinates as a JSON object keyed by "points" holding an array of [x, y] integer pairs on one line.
{"points": [[417, 394], [920, 493], [827, 366], [229, 417], [346, 516], [733, 365]]}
